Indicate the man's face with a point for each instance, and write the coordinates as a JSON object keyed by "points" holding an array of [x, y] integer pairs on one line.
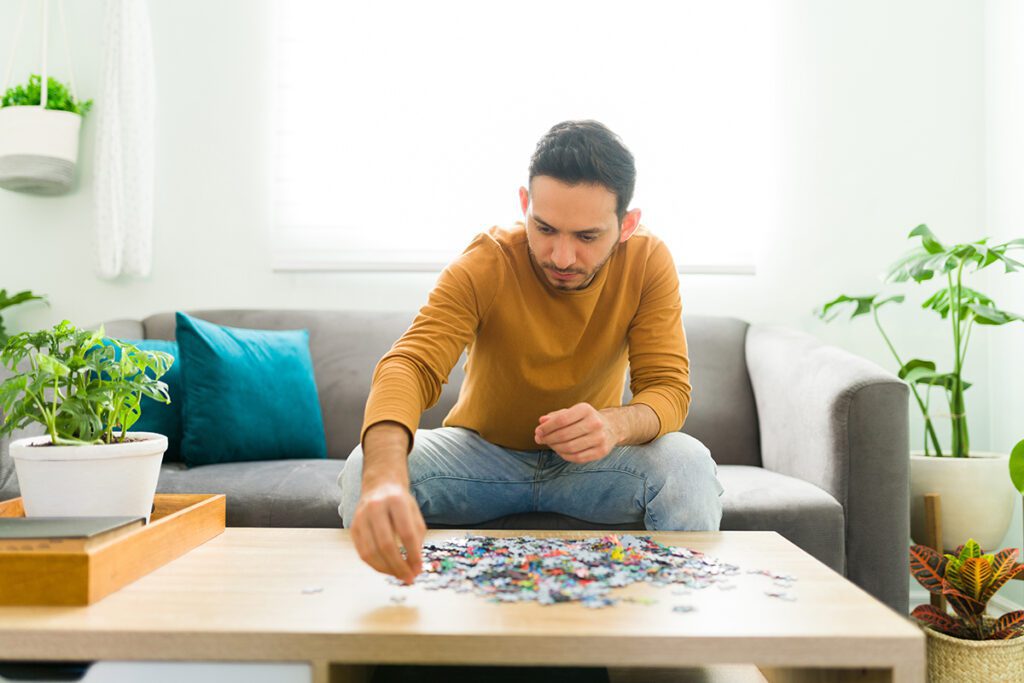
{"points": [[572, 230]]}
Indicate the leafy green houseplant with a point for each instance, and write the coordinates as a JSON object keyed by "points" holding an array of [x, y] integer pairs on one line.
{"points": [[85, 390], [6, 301], [961, 309], [954, 301], [58, 96]]}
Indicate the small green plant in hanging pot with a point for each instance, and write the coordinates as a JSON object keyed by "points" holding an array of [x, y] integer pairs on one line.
{"points": [[39, 133]]}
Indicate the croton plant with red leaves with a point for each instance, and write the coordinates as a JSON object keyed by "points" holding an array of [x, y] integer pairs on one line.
{"points": [[968, 579]]}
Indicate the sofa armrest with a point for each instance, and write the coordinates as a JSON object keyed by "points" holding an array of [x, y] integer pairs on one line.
{"points": [[840, 422]]}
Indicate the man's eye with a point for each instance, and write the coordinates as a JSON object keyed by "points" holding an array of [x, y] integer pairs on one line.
{"points": [[588, 238], [544, 229]]}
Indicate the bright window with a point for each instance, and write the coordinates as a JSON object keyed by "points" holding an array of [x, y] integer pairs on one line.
{"points": [[402, 128]]}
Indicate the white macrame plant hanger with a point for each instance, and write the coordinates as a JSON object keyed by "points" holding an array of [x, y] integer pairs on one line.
{"points": [[38, 146]]}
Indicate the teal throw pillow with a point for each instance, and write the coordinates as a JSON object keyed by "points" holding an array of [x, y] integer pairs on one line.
{"points": [[163, 418], [248, 394]]}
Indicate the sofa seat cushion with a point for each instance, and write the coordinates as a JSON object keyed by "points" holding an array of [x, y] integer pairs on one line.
{"points": [[282, 493], [756, 499]]}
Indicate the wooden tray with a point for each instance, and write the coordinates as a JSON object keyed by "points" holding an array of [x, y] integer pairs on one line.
{"points": [[59, 576]]}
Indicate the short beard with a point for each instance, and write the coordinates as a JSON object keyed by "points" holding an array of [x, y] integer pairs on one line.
{"points": [[585, 283]]}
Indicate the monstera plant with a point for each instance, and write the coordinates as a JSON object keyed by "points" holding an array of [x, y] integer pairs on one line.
{"points": [[962, 309], [954, 301]]}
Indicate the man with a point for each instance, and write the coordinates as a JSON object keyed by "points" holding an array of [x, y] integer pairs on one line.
{"points": [[552, 311]]}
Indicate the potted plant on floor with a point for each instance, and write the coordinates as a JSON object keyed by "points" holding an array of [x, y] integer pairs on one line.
{"points": [[969, 645], [39, 132], [85, 389], [957, 473], [6, 301]]}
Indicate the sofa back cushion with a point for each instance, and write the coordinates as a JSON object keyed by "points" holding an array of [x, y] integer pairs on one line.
{"points": [[346, 346]]}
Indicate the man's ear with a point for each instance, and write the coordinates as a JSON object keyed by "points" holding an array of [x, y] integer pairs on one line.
{"points": [[524, 199], [630, 222]]}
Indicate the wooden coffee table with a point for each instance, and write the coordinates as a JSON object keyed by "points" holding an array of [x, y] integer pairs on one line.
{"points": [[303, 595]]}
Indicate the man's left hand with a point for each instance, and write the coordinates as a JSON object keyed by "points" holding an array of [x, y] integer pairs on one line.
{"points": [[578, 434]]}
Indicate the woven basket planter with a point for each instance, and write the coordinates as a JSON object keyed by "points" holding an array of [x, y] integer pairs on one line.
{"points": [[955, 660], [38, 149]]}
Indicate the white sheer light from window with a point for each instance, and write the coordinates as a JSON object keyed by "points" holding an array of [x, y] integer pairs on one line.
{"points": [[402, 128]]}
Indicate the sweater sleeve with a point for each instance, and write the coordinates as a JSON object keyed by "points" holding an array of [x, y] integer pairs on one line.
{"points": [[408, 379], [658, 363]]}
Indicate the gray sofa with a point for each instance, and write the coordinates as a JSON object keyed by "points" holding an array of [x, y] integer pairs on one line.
{"points": [[811, 441]]}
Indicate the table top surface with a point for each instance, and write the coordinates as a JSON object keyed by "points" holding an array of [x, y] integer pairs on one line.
{"points": [[254, 591]]}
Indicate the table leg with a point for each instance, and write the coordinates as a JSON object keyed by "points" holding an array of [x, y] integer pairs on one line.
{"points": [[325, 672]]}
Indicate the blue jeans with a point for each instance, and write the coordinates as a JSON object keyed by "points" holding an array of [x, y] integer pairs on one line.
{"points": [[459, 478]]}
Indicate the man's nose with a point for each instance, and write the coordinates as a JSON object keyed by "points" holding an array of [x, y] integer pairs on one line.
{"points": [[564, 255]]}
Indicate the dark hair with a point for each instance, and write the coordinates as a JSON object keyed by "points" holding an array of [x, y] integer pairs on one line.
{"points": [[586, 152]]}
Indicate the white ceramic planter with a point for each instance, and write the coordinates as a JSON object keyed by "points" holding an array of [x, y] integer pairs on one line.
{"points": [[977, 497], [76, 481], [38, 149]]}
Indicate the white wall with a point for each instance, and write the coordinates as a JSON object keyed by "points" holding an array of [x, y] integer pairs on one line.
{"points": [[883, 114], [1005, 215]]}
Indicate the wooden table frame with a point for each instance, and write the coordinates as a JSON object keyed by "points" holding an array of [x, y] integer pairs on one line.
{"points": [[302, 595]]}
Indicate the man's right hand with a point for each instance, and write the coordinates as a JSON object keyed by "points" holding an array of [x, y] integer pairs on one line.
{"points": [[387, 513]]}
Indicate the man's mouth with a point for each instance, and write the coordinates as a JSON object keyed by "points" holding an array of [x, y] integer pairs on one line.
{"points": [[562, 276]]}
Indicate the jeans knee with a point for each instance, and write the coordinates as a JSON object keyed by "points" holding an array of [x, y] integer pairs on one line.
{"points": [[691, 498], [676, 453]]}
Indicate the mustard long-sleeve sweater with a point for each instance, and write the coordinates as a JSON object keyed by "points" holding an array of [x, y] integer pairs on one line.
{"points": [[534, 348]]}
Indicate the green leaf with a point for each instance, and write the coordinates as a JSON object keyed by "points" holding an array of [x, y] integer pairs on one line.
{"points": [[987, 315], [906, 265], [830, 311], [52, 366], [860, 305], [91, 385], [58, 96], [928, 239], [915, 368], [940, 301], [1017, 466], [969, 550], [1010, 265], [19, 298], [919, 371]]}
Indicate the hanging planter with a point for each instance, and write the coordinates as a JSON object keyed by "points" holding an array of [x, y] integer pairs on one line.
{"points": [[40, 125]]}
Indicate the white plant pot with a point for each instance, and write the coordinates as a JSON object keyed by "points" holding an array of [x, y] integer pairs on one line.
{"points": [[977, 497], [85, 481], [38, 149]]}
